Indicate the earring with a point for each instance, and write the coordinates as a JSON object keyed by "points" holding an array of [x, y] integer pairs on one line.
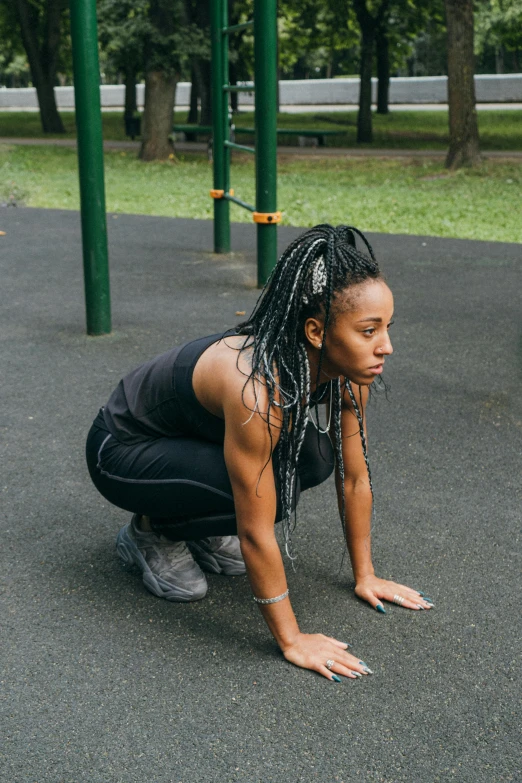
{"points": [[320, 346]]}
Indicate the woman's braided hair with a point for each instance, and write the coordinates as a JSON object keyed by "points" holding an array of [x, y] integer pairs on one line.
{"points": [[315, 267]]}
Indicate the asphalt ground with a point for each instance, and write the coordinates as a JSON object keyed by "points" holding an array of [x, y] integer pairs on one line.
{"points": [[103, 682]]}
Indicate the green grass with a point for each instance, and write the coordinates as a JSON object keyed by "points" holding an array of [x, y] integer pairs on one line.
{"points": [[499, 130], [388, 195]]}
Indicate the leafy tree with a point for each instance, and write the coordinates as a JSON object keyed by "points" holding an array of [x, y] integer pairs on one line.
{"points": [[498, 27], [371, 16], [122, 26], [41, 24], [198, 14], [463, 127], [316, 38], [428, 51], [14, 68], [395, 35], [170, 40]]}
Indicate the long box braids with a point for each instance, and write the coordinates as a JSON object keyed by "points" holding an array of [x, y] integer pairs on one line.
{"points": [[314, 267]]}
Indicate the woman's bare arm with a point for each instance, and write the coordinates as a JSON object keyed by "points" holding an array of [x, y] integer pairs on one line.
{"points": [[248, 459], [357, 492], [247, 456], [358, 515]]}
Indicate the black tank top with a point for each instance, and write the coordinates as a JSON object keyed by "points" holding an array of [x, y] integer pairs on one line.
{"points": [[157, 399]]}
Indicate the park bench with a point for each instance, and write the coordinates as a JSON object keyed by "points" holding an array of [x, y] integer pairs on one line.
{"points": [[301, 133]]}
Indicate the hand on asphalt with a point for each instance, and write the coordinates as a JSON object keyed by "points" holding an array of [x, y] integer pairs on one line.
{"points": [[375, 590], [314, 651]]}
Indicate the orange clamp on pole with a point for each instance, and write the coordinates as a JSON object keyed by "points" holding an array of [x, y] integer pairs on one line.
{"points": [[266, 217], [221, 193]]}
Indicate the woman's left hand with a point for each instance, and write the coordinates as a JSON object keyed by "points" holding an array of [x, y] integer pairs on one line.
{"points": [[375, 590]]}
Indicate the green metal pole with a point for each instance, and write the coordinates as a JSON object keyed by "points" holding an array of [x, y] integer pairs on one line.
{"points": [[219, 119], [227, 157], [90, 163], [265, 80]]}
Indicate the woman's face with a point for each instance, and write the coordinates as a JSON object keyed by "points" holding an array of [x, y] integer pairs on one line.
{"points": [[357, 341]]}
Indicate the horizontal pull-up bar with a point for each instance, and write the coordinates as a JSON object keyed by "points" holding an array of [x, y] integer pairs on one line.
{"points": [[240, 203], [241, 147], [235, 28], [264, 87]]}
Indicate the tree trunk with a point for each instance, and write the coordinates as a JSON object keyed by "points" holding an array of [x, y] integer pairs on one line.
{"points": [[369, 25], [364, 116], [463, 127], [192, 118], [234, 97], [43, 57], [383, 72], [199, 14], [160, 93], [49, 117], [131, 105], [499, 59], [206, 96]]}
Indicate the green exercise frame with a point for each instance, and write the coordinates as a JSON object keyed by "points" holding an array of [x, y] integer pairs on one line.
{"points": [[90, 146], [265, 213], [90, 164]]}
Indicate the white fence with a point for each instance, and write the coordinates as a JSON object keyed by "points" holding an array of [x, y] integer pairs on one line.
{"points": [[502, 88]]}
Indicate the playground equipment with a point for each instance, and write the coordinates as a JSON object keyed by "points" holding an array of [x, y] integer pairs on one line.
{"points": [[90, 162], [264, 212], [90, 146]]}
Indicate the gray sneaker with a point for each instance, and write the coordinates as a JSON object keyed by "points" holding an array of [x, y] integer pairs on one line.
{"points": [[169, 570], [219, 555]]}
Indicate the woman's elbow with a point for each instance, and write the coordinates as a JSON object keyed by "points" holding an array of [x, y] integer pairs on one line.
{"points": [[254, 541], [357, 485]]}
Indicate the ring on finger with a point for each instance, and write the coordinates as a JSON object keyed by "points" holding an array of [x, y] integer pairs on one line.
{"points": [[398, 599], [329, 663]]}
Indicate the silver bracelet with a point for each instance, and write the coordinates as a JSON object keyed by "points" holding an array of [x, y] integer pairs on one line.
{"points": [[271, 600]]}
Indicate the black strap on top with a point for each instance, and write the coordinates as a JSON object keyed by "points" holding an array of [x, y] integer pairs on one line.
{"points": [[203, 423]]}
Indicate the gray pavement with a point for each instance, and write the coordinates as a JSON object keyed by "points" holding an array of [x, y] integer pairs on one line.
{"points": [[104, 683]]}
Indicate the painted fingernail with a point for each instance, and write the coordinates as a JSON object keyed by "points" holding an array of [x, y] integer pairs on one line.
{"points": [[363, 663], [335, 678], [428, 600], [347, 644], [420, 593], [420, 607], [380, 608], [357, 674], [368, 670]]}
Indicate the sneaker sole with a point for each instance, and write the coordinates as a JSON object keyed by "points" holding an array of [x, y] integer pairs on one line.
{"points": [[214, 563], [130, 555]]}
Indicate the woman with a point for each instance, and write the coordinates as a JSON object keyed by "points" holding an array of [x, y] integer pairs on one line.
{"points": [[211, 443]]}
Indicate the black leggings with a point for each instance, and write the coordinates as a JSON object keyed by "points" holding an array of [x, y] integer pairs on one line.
{"points": [[181, 483]]}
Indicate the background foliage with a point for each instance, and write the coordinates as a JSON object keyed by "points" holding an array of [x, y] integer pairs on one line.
{"points": [[317, 38]]}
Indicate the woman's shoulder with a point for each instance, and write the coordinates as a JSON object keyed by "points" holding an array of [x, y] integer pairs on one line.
{"points": [[225, 383]]}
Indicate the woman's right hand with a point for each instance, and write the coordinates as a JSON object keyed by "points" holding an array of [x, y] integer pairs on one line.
{"points": [[314, 650]]}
